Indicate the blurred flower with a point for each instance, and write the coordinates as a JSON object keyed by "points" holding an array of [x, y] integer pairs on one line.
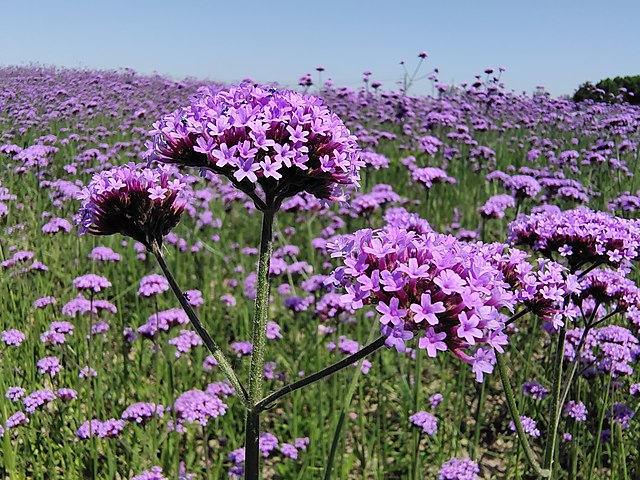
{"points": [[459, 469], [427, 421], [152, 285]]}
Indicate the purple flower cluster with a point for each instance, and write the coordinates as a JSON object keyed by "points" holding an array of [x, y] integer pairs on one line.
{"points": [[269, 446], [612, 289], [142, 412], [49, 366], [586, 236], [16, 420], [459, 469], [82, 306], [91, 282], [543, 289], [425, 420], [154, 474], [528, 425], [576, 410], [185, 342], [496, 205], [44, 301], [534, 390], [428, 176], [104, 254], [621, 414], [431, 283], [56, 335], [152, 285], [38, 399], [610, 349], [283, 141], [56, 225], [110, 428], [523, 186], [374, 160], [163, 321], [66, 394], [13, 337], [15, 393], [197, 406], [401, 218], [141, 203]]}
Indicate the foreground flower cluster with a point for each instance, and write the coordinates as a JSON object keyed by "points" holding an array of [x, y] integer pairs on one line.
{"points": [[431, 284], [283, 141]]}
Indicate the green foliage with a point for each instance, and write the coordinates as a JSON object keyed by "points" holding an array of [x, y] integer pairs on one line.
{"points": [[625, 89]]}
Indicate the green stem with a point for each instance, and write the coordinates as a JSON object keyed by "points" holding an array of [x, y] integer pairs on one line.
{"points": [[375, 345], [513, 408], [209, 342], [325, 372], [259, 340], [478, 426], [552, 432], [594, 458], [261, 312]]}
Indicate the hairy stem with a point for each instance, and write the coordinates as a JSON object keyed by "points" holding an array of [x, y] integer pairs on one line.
{"points": [[209, 342], [258, 339], [515, 414], [552, 432]]}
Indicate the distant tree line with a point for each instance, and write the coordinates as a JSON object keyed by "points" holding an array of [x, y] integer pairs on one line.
{"points": [[619, 89]]}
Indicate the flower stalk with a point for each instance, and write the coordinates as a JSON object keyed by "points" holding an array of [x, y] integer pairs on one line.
{"points": [[209, 342], [258, 339], [515, 414]]}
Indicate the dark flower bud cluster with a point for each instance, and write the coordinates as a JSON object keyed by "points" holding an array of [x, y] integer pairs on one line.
{"points": [[144, 204], [283, 141]]}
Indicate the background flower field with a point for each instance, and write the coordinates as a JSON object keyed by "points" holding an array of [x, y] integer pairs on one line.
{"points": [[465, 161]]}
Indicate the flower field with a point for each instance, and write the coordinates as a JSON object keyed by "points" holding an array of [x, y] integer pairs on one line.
{"points": [[178, 259]]}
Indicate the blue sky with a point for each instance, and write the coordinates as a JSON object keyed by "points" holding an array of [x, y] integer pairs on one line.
{"points": [[558, 44]]}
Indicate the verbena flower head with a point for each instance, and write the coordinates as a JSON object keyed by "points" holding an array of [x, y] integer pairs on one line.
{"points": [[197, 406], [141, 203], [528, 425], [154, 474], [428, 176], [602, 287], [542, 290], [608, 350], [38, 399], [430, 284], [152, 285], [576, 410], [459, 469], [496, 205], [92, 282], [534, 390], [583, 236], [425, 420], [142, 412], [281, 141]]}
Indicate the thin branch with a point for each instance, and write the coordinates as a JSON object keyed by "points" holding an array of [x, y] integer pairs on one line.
{"points": [[515, 414], [209, 342], [325, 372]]}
